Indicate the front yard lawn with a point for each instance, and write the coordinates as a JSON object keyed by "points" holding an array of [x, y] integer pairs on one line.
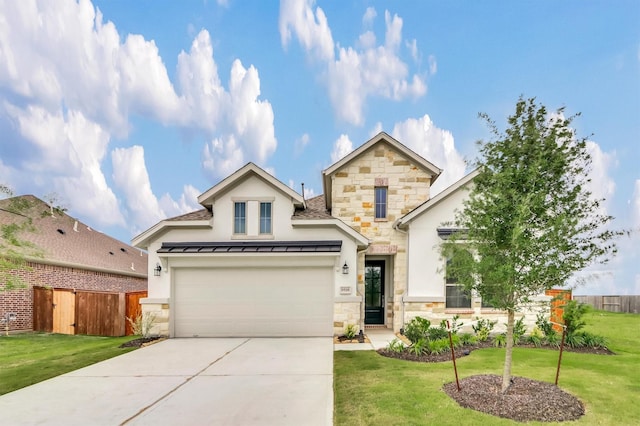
{"points": [[30, 358], [373, 390]]}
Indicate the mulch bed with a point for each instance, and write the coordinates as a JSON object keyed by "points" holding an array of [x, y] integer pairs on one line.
{"points": [[360, 338], [525, 400], [141, 341]]}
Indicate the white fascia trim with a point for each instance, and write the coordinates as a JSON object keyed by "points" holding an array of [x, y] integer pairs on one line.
{"points": [[142, 240], [360, 239]]}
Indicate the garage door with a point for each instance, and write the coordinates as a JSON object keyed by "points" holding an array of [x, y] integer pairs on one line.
{"points": [[253, 302]]}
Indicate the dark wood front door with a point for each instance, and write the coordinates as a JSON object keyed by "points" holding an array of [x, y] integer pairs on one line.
{"points": [[374, 292]]}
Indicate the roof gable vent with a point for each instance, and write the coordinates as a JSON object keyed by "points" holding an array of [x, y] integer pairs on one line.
{"points": [[60, 231]]}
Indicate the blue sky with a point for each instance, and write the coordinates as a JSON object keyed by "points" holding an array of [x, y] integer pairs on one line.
{"points": [[128, 110]]}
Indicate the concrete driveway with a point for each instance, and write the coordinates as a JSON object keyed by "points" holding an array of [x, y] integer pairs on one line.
{"points": [[238, 381]]}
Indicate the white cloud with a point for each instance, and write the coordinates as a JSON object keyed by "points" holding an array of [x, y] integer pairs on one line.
{"points": [[413, 49], [341, 147], [69, 82], [635, 204], [369, 16], [433, 65], [355, 73], [300, 144], [602, 185], [64, 156], [434, 144], [311, 29], [131, 177]]}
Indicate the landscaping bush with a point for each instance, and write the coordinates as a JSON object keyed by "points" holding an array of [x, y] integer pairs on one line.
{"points": [[482, 328], [418, 328]]}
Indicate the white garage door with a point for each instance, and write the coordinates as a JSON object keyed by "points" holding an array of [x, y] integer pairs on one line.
{"points": [[253, 302]]}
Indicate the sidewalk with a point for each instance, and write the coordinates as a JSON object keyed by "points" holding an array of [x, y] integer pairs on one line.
{"points": [[379, 338]]}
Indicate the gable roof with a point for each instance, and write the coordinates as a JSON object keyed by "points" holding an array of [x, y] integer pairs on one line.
{"points": [[60, 239], [381, 137], [250, 169], [418, 211]]}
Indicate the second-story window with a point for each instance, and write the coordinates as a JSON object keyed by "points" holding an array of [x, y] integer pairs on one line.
{"points": [[381, 202], [240, 218], [265, 218]]}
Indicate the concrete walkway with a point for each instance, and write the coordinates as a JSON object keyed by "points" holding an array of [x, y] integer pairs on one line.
{"points": [[379, 338], [189, 382]]}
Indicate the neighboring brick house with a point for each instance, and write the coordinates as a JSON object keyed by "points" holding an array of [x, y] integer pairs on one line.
{"points": [[64, 253], [260, 260]]}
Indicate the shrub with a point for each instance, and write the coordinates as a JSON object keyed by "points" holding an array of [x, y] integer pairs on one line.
{"points": [[500, 340], [536, 337], [553, 339], [468, 339], [417, 329], [482, 328], [593, 341], [395, 346], [518, 330], [141, 325], [419, 347], [440, 332], [351, 331], [455, 325], [573, 316], [574, 340], [439, 346], [544, 325]]}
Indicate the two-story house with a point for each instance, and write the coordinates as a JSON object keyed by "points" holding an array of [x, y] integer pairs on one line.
{"points": [[260, 260]]}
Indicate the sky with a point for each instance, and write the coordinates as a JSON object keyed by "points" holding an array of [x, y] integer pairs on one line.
{"points": [[124, 112]]}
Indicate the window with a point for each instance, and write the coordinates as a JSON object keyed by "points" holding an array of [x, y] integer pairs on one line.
{"points": [[381, 202], [456, 296], [240, 218], [265, 218]]}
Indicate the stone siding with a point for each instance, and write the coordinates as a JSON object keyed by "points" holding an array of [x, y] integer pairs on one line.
{"points": [[436, 312], [353, 202], [345, 313], [160, 312]]}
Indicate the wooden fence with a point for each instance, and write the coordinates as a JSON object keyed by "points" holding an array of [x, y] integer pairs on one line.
{"points": [[628, 304], [84, 312]]}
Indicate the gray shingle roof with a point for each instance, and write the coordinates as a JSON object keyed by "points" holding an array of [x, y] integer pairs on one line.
{"points": [[61, 239], [202, 214], [316, 209]]}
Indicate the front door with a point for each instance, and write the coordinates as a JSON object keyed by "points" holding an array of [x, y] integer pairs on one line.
{"points": [[374, 292]]}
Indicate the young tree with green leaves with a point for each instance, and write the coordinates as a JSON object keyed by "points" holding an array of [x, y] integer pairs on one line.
{"points": [[530, 220]]}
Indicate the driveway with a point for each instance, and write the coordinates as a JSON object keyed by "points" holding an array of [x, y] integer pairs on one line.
{"points": [[235, 381]]}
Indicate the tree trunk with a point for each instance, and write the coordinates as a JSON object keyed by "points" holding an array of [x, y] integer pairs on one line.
{"points": [[506, 375]]}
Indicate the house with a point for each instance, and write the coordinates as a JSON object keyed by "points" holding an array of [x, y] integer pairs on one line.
{"points": [[63, 253], [260, 260]]}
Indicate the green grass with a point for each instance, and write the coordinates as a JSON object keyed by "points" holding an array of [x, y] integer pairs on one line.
{"points": [[374, 390], [30, 358]]}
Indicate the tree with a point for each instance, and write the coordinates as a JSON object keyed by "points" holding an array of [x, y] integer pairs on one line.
{"points": [[530, 220]]}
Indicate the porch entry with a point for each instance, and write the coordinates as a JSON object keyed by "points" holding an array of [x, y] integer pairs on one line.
{"points": [[374, 291]]}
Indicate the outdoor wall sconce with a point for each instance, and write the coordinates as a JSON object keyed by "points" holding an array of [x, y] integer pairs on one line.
{"points": [[345, 268], [157, 270]]}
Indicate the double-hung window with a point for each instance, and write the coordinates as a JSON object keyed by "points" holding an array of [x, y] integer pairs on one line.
{"points": [[265, 218], [381, 202], [456, 295], [240, 218]]}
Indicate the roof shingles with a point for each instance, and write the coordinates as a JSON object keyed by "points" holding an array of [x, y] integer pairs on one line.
{"points": [[60, 239]]}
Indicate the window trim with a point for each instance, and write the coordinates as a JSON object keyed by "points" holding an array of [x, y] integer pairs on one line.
{"points": [[451, 282], [261, 217], [376, 203], [236, 217]]}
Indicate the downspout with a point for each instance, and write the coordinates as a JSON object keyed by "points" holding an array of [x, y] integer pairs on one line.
{"points": [[396, 226]]}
